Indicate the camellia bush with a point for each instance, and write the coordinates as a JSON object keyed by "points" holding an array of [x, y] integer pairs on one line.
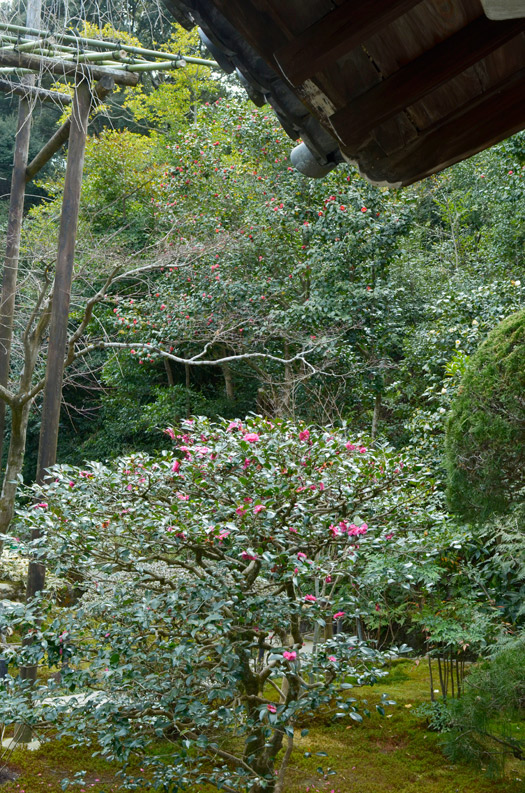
{"points": [[198, 573]]}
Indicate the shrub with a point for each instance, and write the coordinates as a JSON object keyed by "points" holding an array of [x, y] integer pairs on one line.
{"points": [[485, 445]]}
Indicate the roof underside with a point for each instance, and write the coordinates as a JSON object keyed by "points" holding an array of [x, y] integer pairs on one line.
{"points": [[401, 88]]}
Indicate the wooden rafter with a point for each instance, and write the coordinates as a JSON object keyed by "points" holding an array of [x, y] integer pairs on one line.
{"points": [[33, 92], [354, 123], [335, 35], [489, 119]]}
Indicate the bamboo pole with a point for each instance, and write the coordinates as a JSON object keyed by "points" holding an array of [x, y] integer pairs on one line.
{"points": [[39, 63], [83, 40]]}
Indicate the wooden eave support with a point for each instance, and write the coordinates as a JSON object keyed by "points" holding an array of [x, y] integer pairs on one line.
{"points": [[102, 88], [60, 68], [32, 92], [354, 123], [336, 34], [490, 118]]}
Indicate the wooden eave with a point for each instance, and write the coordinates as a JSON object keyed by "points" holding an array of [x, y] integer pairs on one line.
{"points": [[401, 88]]}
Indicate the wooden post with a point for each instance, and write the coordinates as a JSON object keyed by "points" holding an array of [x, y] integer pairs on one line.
{"points": [[14, 224], [60, 306], [63, 278]]}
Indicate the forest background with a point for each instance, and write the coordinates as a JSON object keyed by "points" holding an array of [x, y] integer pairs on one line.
{"points": [[227, 283]]}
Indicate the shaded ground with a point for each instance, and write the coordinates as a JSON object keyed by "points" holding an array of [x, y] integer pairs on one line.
{"points": [[394, 754]]}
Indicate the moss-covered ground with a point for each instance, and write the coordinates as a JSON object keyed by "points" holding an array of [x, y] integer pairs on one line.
{"points": [[391, 754]]}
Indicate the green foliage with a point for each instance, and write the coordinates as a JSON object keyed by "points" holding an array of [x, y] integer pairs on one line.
{"points": [[486, 428], [486, 724], [200, 570]]}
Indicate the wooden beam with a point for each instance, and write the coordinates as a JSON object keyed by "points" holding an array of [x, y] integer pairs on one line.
{"points": [[32, 92], [102, 88], [490, 118], [63, 277], [336, 34], [354, 123], [61, 68]]}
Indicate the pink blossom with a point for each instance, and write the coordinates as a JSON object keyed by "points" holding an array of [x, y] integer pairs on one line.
{"points": [[292, 529], [289, 656], [175, 467], [240, 511], [350, 446], [321, 486], [339, 614], [328, 579], [362, 449], [248, 556], [378, 607], [251, 437], [257, 509], [301, 555], [332, 658], [42, 505], [272, 708], [304, 435], [234, 425], [246, 463], [310, 599], [222, 535], [169, 431], [389, 536]]}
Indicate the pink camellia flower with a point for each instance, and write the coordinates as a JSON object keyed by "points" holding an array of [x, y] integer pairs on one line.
{"points": [[378, 607], [42, 505], [289, 656], [175, 467], [301, 555], [272, 708], [248, 556], [258, 508], [328, 579], [304, 435], [292, 529], [310, 599], [339, 614], [251, 437], [321, 486], [350, 446], [234, 425], [389, 536], [240, 510], [169, 431], [332, 658], [362, 449]]}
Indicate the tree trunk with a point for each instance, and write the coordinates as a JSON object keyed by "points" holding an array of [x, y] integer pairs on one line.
{"points": [[376, 415], [12, 251], [15, 461], [169, 373], [228, 381], [188, 385]]}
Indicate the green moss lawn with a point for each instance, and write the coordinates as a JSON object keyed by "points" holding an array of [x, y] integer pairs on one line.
{"points": [[394, 754]]}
